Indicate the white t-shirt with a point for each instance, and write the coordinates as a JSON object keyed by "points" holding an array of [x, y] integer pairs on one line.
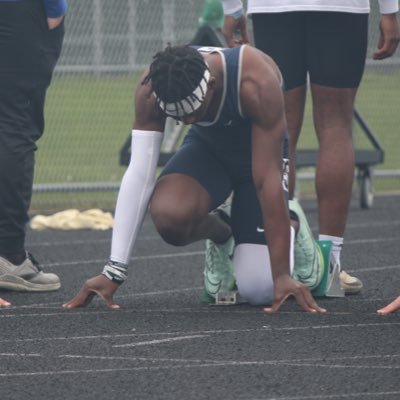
{"points": [[351, 6]]}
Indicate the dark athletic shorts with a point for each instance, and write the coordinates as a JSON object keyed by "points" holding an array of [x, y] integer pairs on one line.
{"points": [[220, 160], [330, 46]]}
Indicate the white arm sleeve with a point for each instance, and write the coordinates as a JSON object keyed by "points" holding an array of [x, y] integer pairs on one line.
{"points": [[232, 6], [388, 6], [134, 194]]}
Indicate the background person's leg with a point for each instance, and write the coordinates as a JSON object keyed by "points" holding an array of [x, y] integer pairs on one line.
{"points": [[336, 52], [24, 35], [282, 36], [333, 115], [16, 177]]}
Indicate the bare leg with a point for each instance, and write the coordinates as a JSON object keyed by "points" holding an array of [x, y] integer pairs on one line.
{"points": [[294, 104], [180, 211], [333, 113]]}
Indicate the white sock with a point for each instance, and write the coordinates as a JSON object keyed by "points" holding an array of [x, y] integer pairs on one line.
{"points": [[337, 244]]}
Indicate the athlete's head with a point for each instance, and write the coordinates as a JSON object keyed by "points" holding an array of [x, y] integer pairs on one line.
{"points": [[178, 77]]}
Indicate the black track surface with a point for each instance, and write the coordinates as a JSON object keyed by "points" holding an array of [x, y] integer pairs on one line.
{"points": [[165, 344]]}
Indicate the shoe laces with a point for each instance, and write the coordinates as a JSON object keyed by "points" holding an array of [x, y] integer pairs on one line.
{"points": [[34, 261], [307, 251], [211, 256], [217, 261]]}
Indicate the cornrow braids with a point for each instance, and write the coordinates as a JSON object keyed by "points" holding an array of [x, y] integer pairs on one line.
{"points": [[175, 73]]}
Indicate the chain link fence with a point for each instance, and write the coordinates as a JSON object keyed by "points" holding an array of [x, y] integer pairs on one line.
{"points": [[89, 108]]}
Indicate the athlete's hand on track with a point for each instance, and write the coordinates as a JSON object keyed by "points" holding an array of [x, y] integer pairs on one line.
{"points": [[285, 286], [99, 285], [391, 307], [4, 303]]}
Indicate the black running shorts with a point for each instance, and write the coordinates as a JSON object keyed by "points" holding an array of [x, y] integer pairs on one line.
{"points": [[220, 160], [330, 46]]}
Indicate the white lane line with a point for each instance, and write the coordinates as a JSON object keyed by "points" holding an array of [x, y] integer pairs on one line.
{"points": [[149, 359], [159, 341], [57, 305], [54, 305], [137, 258], [264, 329], [162, 367], [295, 362], [186, 254], [275, 363], [318, 365], [373, 240], [368, 224], [372, 269], [330, 396], [5, 313], [85, 242], [20, 355], [371, 224]]}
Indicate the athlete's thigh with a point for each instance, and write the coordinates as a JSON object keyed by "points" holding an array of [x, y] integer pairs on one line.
{"points": [[336, 48], [282, 37], [195, 173]]}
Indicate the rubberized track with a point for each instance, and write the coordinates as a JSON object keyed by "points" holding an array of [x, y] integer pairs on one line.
{"points": [[165, 344]]}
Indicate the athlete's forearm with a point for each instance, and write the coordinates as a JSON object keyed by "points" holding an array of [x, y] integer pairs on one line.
{"points": [[135, 191]]}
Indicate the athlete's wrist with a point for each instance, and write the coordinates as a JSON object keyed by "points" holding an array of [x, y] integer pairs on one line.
{"points": [[115, 272]]}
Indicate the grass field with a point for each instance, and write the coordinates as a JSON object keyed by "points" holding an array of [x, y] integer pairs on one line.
{"points": [[89, 117]]}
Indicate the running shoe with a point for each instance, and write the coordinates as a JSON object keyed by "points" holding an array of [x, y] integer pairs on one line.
{"points": [[350, 284], [218, 271], [308, 257], [26, 277]]}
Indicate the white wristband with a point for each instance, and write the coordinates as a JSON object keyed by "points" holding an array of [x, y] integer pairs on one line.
{"points": [[388, 6], [231, 7]]}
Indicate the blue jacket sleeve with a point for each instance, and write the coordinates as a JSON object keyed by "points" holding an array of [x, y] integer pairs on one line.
{"points": [[55, 8]]}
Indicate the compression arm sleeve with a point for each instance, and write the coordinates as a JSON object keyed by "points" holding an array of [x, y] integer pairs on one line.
{"points": [[134, 194], [231, 7], [388, 6]]}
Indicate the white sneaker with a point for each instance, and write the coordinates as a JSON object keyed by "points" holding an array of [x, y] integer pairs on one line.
{"points": [[27, 277], [350, 284]]}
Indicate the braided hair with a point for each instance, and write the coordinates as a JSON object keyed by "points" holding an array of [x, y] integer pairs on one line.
{"points": [[175, 73]]}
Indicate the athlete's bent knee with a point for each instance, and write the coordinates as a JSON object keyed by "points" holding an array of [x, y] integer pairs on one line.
{"points": [[173, 227]]}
